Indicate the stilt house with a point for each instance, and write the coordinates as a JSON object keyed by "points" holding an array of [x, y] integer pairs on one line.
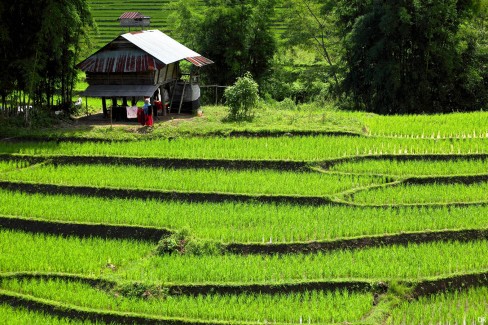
{"points": [[142, 64]]}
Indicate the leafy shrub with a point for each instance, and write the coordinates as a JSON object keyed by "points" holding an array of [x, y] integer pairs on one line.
{"points": [[141, 290], [286, 104], [183, 243], [242, 98], [173, 244]]}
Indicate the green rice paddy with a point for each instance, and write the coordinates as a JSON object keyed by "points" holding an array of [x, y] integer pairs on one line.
{"points": [[427, 179]]}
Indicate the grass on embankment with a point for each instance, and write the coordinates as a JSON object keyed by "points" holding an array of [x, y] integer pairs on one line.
{"points": [[267, 120], [271, 118]]}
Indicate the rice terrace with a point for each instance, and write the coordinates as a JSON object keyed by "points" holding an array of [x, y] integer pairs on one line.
{"points": [[244, 162], [366, 228]]}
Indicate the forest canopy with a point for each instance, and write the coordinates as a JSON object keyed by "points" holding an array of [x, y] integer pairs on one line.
{"points": [[412, 56]]}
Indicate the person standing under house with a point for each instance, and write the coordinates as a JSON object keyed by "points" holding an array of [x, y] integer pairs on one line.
{"points": [[158, 106], [140, 116], [148, 112]]}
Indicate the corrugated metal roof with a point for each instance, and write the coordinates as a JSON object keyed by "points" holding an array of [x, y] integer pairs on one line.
{"points": [[126, 60], [199, 61], [120, 90], [132, 15], [152, 50], [164, 48]]}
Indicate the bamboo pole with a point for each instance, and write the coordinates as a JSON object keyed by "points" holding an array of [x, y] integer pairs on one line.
{"points": [[182, 97]]}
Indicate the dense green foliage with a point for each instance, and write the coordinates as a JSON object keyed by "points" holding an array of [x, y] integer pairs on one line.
{"points": [[40, 45], [310, 23], [414, 56], [235, 34], [306, 67]]}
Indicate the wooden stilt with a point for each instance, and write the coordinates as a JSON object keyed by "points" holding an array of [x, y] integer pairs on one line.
{"points": [[113, 110], [182, 97], [104, 107], [172, 96]]}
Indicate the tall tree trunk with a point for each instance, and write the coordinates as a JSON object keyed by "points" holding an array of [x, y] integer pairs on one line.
{"points": [[31, 87]]}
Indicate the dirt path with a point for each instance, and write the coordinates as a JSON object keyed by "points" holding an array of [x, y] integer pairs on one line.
{"points": [[99, 120]]}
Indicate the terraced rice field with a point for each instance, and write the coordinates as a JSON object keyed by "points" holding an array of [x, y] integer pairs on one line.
{"points": [[286, 230], [106, 12], [454, 307], [19, 316], [338, 304], [311, 149]]}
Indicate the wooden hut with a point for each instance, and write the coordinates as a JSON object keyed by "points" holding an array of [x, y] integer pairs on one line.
{"points": [[140, 64], [134, 19]]}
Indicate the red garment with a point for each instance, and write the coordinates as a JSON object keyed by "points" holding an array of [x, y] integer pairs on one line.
{"points": [[140, 116], [158, 105], [149, 120]]}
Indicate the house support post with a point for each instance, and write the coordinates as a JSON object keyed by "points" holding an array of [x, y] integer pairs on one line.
{"points": [[182, 97], [114, 109], [104, 107]]}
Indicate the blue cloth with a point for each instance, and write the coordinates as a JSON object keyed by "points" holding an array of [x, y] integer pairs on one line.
{"points": [[145, 107]]}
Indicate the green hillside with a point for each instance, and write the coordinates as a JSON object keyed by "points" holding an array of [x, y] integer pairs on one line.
{"points": [[106, 12]]}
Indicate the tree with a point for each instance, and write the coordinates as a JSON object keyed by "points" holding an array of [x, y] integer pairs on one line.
{"points": [[310, 23], [235, 34], [307, 64], [40, 47], [472, 76], [403, 56], [59, 46]]}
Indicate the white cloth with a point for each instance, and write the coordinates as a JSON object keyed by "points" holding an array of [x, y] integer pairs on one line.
{"points": [[195, 92], [131, 111], [165, 96]]}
